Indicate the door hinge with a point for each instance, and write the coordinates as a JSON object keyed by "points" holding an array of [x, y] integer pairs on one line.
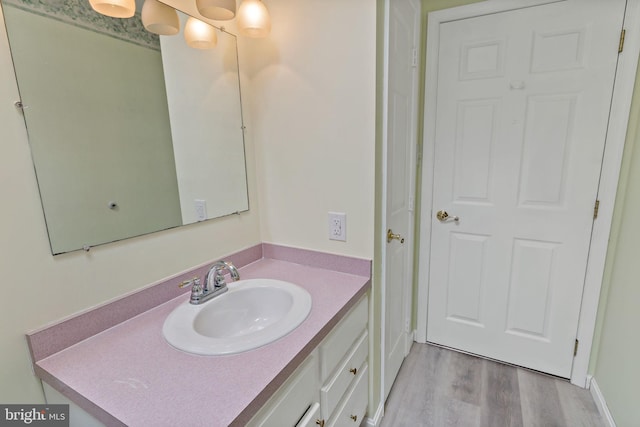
{"points": [[596, 208], [575, 348], [621, 45], [414, 57]]}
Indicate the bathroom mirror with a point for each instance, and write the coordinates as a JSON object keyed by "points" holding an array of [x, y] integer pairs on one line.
{"points": [[129, 133]]}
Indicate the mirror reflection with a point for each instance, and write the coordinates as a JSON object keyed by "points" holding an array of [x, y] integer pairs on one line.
{"points": [[129, 134]]}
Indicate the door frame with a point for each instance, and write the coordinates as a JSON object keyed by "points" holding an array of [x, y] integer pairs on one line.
{"points": [[615, 139]]}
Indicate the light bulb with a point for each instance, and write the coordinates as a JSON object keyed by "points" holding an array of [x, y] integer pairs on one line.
{"points": [[253, 19], [200, 35], [114, 8], [158, 18], [219, 10]]}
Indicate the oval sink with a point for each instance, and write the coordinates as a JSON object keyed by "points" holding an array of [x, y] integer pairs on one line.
{"points": [[252, 313]]}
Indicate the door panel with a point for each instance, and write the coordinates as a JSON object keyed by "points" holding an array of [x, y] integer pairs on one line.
{"points": [[522, 112], [466, 278], [530, 287], [475, 136], [547, 145]]}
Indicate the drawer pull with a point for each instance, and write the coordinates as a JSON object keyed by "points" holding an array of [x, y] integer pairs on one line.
{"points": [[354, 418], [320, 423], [354, 371]]}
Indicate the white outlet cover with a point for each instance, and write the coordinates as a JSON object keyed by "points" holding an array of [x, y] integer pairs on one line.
{"points": [[338, 226]]}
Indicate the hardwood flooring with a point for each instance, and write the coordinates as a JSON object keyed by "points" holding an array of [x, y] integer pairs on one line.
{"points": [[438, 387]]}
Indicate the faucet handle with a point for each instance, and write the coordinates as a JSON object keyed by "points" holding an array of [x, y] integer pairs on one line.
{"points": [[196, 289], [194, 283], [218, 276]]}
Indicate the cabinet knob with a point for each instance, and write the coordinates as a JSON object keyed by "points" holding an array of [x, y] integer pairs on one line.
{"points": [[320, 423], [354, 371], [354, 418]]}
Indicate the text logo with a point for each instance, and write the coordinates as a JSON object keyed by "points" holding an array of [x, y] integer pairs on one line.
{"points": [[34, 415]]}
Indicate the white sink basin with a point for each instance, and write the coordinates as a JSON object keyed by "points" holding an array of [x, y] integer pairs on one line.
{"points": [[252, 313]]}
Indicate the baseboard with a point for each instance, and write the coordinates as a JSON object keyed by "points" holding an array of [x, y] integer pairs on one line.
{"points": [[411, 337], [377, 417], [598, 398]]}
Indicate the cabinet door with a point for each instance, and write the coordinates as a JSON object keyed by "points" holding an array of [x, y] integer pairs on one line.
{"points": [[290, 403], [312, 417], [78, 417]]}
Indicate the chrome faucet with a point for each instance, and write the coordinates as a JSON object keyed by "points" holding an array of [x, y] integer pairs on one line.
{"points": [[214, 283]]}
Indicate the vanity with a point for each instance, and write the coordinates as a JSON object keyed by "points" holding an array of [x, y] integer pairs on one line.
{"points": [[125, 372]]}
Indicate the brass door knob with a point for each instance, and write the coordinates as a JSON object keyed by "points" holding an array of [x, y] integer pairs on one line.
{"points": [[444, 216], [391, 236]]}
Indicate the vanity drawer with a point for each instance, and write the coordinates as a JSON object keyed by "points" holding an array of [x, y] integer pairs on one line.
{"points": [[353, 409], [292, 400], [336, 345], [311, 418], [334, 389]]}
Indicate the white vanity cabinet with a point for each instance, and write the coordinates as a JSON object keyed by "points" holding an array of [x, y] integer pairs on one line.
{"points": [[331, 387]]}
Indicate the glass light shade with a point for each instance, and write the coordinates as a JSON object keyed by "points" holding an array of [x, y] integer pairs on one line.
{"points": [[219, 10], [158, 18], [253, 19], [200, 35], [114, 8]]}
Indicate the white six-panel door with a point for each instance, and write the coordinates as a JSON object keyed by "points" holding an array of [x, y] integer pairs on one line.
{"points": [[402, 98], [522, 110]]}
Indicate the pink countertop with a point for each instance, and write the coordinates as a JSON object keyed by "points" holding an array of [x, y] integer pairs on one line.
{"points": [[129, 375]]}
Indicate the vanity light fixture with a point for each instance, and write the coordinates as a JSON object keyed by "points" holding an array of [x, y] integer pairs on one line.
{"points": [[200, 35], [158, 18], [114, 8], [219, 10], [253, 19]]}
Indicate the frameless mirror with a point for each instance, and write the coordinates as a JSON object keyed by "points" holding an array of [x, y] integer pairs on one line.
{"points": [[129, 134]]}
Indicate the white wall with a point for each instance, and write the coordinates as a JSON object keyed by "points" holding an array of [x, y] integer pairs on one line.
{"points": [[614, 357], [38, 288], [313, 120]]}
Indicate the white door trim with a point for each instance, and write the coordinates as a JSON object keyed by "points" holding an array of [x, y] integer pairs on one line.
{"points": [[381, 233], [616, 134], [611, 163]]}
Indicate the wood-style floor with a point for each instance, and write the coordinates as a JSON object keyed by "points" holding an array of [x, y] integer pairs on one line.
{"points": [[441, 388]]}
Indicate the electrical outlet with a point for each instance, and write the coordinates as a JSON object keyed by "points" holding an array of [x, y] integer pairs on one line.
{"points": [[201, 209], [338, 226]]}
